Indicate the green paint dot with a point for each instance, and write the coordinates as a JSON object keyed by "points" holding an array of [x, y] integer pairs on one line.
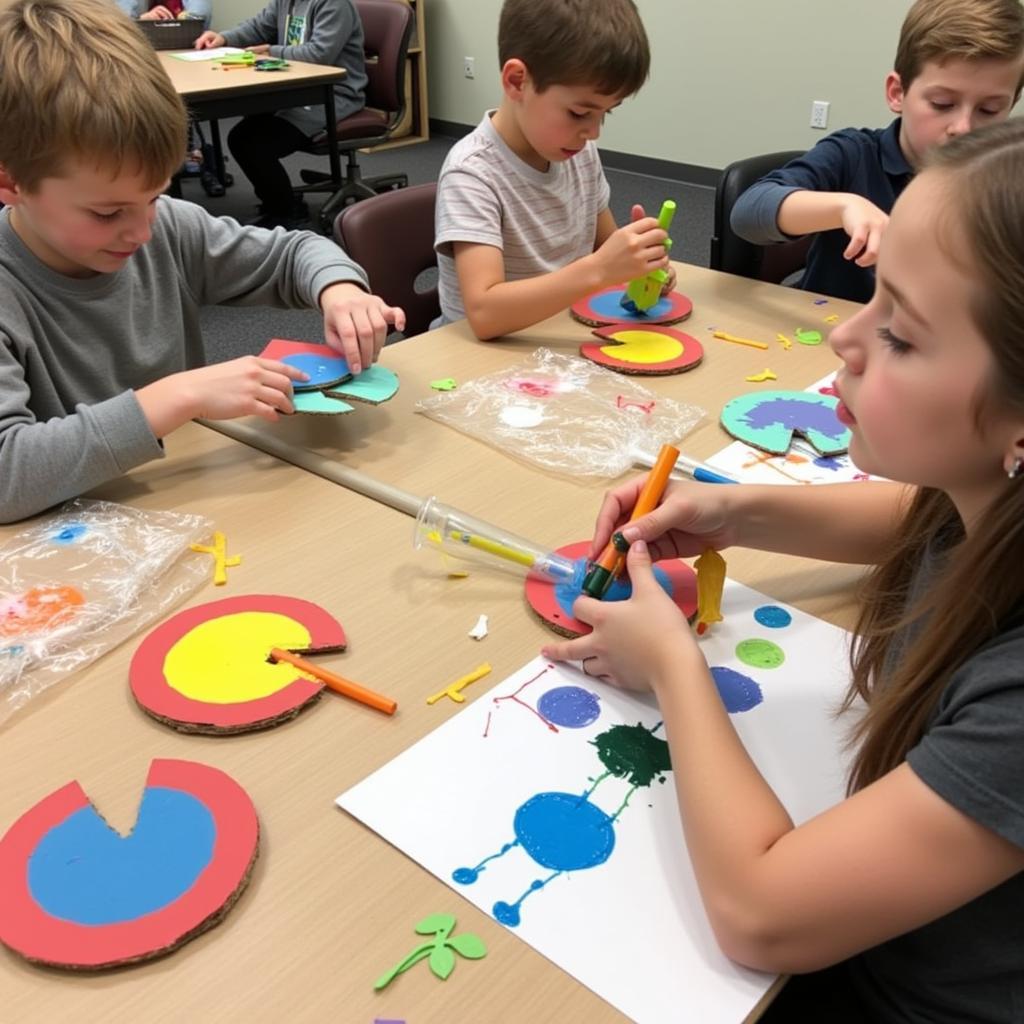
{"points": [[758, 653]]}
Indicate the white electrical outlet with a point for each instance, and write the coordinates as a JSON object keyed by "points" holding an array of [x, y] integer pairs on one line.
{"points": [[819, 114], [469, 67]]}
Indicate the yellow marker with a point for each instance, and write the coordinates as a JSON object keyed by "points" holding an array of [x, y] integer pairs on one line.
{"points": [[787, 344], [455, 689], [757, 378], [221, 562], [710, 584], [833, 319], [493, 547], [739, 341]]}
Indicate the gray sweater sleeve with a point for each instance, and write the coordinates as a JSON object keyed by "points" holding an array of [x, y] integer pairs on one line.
{"points": [[44, 463], [755, 217], [225, 263], [262, 28], [331, 24]]}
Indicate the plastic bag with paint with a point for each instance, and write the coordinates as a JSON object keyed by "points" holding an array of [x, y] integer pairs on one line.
{"points": [[565, 414], [78, 582]]}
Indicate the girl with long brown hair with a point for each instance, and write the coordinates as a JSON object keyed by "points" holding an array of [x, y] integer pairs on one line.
{"points": [[910, 892]]}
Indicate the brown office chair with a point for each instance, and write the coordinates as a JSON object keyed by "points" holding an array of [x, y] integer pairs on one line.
{"points": [[387, 29], [735, 255], [391, 236]]}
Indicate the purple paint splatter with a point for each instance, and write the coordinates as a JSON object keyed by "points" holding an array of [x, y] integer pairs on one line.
{"points": [[795, 414]]}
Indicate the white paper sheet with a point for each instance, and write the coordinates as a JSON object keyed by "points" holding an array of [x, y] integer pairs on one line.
{"points": [[215, 54], [632, 928]]}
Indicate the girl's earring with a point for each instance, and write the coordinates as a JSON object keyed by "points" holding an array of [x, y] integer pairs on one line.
{"points": [[1016, 469]]}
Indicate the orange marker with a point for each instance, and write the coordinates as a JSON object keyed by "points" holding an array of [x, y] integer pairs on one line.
{"points": [[337, 683], [607, 568]]}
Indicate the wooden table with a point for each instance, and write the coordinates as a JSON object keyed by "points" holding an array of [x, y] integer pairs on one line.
{"points": [[330, 906], [395, 445], [212, 93]]}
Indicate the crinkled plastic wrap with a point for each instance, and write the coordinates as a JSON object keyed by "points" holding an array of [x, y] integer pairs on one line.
{"points": [[79, 582], [565, 414]]}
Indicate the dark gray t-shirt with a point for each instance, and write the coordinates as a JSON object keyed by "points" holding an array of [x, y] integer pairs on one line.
{"points": [[969, 965]]}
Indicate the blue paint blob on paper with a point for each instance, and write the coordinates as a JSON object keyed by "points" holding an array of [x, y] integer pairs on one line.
{"points": [[828, 462], [772, 616], [70, 533], [570, 706], [608, 306], [83, 871], [738, 692], [564, 831], [325, 369]]}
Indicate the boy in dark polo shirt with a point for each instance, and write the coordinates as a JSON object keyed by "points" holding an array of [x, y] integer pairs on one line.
{"points": [[959, 65]]}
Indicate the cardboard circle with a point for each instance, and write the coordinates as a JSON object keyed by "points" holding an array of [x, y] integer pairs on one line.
{"points": [[688, 351], [156, 695], [44, 938], [549, 602], [768, 420], [604, 308], [324, 366]]}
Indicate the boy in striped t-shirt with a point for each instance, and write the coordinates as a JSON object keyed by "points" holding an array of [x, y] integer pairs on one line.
{"points": [[523, 226]]}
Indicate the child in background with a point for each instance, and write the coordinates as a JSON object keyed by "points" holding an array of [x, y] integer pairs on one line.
{"points": [[523, 225], [959, 65], [314, 31], [102, 277], [914, 885]]}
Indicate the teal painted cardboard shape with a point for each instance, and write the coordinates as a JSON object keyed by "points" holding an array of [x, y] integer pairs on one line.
{"points": [[374, 385], [769, 419], [318, 402]]}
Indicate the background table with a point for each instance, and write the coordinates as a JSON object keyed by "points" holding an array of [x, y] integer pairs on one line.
{"points": [[212, 93]]}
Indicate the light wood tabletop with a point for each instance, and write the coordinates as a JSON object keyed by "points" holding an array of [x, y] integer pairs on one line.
{"points": [[206, 79], [330, 906], [398, 446]]}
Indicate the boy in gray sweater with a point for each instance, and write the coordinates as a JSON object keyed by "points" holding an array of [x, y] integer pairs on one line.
{"points": [[315, 31], [102, 277]]}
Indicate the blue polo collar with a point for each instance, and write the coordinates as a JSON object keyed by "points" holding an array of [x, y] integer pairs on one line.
{"points": [[894, 163]]}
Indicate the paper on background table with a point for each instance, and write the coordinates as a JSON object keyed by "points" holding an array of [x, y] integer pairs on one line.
{"points": [[633, 928], [803, 466], [215, 54]]}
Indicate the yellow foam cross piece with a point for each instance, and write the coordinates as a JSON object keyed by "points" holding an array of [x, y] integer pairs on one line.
{"points": [[833, 319], [710, 585], [757, 378], [454, 691], [787, 344], [221, 562]]}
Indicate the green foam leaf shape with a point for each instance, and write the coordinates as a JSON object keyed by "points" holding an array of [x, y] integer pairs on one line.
{"points": [[442, 961], [433, 923], [468, 945]]}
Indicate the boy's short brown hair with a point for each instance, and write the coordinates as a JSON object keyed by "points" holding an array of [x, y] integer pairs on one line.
{"points": [[600, 43], [78, 80], [941, 30]]}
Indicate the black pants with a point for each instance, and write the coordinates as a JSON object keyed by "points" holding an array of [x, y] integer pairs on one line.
{"points": [[257, 143], [822, 997]]}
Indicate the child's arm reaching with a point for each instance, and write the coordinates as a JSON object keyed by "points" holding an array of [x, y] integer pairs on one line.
{"points": [[249, 386], [836, 523], [804, 212], [495, 307]]}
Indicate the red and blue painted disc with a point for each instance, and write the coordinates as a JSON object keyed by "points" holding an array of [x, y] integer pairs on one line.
{"points": [[77, 894], [604, 308], [643, 349]]}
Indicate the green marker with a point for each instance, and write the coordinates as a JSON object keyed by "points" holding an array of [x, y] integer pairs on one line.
{"points": [[601, 576]]}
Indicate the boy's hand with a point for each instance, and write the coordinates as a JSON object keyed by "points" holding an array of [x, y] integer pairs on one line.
{"points": [[157, 14], [356, 323], [260, 49], [249, 386], [210, 41], [865, 223], [670, 284], [633, 250], [633, 642]]}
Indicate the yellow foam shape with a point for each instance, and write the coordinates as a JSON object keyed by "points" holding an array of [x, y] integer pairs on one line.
{"points": [[643, 347], [224, 660]]}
